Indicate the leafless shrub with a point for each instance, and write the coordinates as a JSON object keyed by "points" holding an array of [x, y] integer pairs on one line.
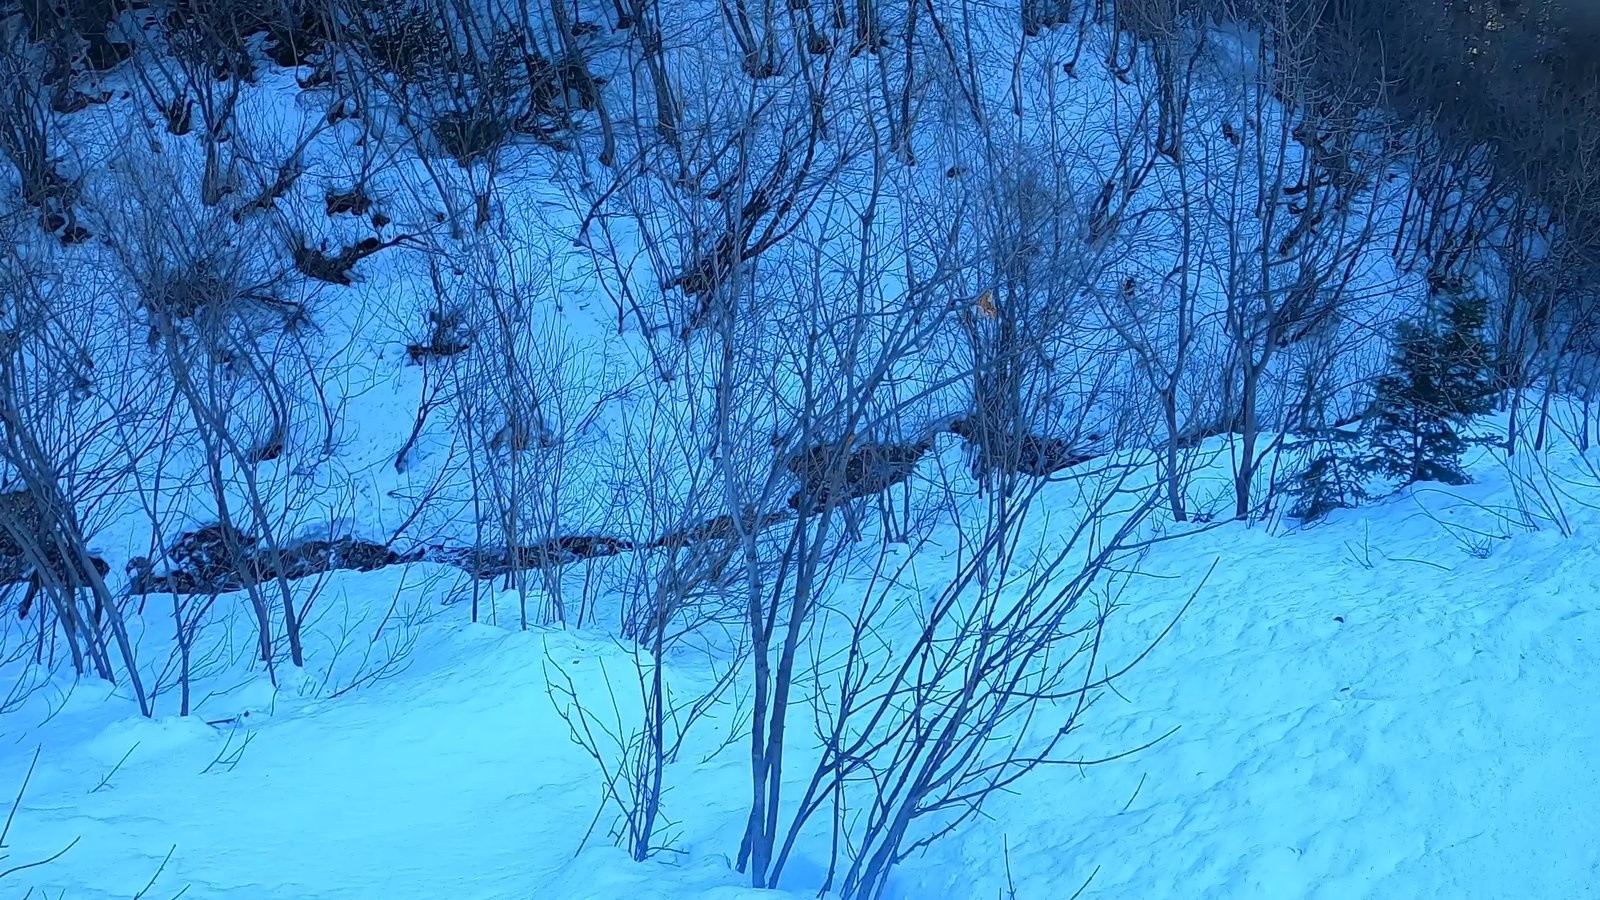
{"points": [[525, 399], [448, 334], [407, 40], [240, 369], [63, 384], [676, 604], [1013, 637], [32, 137]]}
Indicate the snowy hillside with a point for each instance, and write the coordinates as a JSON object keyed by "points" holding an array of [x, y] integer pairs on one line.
{"points": [[1370, 708], [643, 449]]}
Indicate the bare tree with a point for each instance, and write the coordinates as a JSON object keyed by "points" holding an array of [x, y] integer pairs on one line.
{"points": [[230, 343], [54, 407], [1006, 658], [528, 394], [1297, 196], [677, 604]]}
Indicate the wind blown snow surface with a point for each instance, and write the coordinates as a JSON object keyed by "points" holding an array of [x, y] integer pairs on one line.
{"points": [[1398, 703]]}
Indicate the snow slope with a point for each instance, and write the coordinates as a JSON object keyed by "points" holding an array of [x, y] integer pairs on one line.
{"points": [[1389, 705], [596, 368], [1397, 703]]}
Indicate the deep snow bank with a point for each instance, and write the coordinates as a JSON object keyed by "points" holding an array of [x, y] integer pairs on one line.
{"points": [[1398, 703]]}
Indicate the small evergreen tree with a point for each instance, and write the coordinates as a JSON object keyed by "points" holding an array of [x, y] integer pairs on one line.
{"points": [[1438, 381], [1332, 478]]}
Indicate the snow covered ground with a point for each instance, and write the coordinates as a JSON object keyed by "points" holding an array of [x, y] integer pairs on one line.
{"points": [[1398, 703]]}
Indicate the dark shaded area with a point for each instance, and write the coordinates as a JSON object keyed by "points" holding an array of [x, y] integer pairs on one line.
{"points": [[1034, 455], [22, 519], [448, 335], [216, 559], [493, 562], [837, 473], [1519, 77], [338, 267]]}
